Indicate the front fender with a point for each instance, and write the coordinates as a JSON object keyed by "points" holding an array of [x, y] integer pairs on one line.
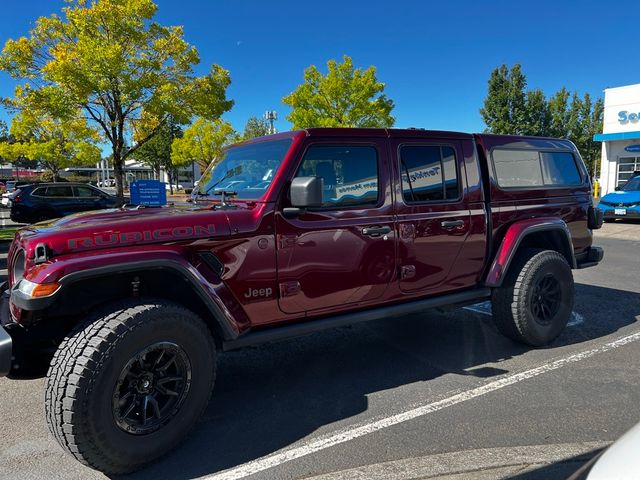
{"points": [[514, 236], [75, 268]]}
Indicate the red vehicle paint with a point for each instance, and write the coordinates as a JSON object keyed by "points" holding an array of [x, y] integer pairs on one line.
{"points": [[306, 269]]}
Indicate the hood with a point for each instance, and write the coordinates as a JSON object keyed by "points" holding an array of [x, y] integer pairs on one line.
{"points": [[122, 227], [615, 198]]}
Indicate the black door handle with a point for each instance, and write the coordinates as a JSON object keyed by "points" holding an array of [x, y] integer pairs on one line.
{"points": [[376, 231], [452, 223]]}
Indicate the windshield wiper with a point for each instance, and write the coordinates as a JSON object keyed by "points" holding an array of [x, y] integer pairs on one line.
{"points": [[223, 197], [206, 192]]}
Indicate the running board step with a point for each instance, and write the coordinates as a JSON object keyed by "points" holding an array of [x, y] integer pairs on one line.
{"points": [[305, 327]]}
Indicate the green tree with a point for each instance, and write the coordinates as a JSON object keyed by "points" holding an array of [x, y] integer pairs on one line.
{"points": [[537, 117], [590, 120], [563, 115], [505, 107], [256, 127], [54, 143], [344, 97], [157, 152], [202, 142], [559, 113], [126, 73]]}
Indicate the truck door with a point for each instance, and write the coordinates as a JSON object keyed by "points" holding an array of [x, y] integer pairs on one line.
{"points": [[432, 213], [343, 252]]}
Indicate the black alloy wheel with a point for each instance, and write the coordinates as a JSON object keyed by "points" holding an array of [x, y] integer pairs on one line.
{"points": [[545, 299], [151, 388]]}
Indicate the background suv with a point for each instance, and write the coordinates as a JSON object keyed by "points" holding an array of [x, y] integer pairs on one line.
{"points": [[624, 202], [37, 202]]}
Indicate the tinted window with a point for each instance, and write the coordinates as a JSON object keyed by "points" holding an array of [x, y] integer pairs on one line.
{"points": [[531, 168], [59, 192], [85, 192], [40, 192], [247, 169], [350, 174], [559, 168], [428, 173]]}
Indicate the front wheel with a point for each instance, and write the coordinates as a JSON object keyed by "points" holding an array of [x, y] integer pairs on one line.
{"points": [[535, 302], [126, 386]]}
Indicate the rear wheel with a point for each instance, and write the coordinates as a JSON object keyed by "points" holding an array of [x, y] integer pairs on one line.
{"points": [[126, 386], [535, 302]]}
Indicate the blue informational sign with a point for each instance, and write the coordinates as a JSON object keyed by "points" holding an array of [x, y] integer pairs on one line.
{"points": [[148, 192], [632, 148]]}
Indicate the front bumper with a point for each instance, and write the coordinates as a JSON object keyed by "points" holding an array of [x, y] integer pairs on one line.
{"points": [[609, 212], [6, 343]]}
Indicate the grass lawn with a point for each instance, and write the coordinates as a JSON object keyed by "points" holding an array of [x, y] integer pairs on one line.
{"points": [[7, 234]]}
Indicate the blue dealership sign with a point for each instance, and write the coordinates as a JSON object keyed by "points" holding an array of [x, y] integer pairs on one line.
{"points": [[632, 148], [148, 192]]}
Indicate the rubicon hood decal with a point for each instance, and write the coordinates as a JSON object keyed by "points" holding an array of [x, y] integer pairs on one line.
{"points": [[105, 239]]}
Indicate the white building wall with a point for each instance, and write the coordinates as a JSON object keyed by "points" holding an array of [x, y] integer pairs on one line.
{"points": [[621, 118]]}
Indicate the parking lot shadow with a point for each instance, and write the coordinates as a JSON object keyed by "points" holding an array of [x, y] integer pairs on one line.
{"points": [[267, 398]]}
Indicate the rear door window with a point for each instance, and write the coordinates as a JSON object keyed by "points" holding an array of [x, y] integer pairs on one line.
{"points": [[428, 173], [59, 192], [85, 192]]}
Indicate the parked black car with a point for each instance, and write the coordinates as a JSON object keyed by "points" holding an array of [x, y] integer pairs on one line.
{"points": [[43, 201]]}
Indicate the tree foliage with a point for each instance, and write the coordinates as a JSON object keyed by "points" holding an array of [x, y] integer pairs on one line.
{"points": [[344, 97], [510, 109], [109, 60], [256, 127], [202, 142], [505, 108], [157, 152], [55, 144]]}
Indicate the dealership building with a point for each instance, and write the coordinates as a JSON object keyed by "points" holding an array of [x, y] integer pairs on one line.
{"points": [[620, 136]]}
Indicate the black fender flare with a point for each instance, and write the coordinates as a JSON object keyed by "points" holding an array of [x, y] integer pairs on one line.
{"points": [[227, 327]]}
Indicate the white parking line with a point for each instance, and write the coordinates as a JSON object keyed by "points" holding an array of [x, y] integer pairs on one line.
{"points": [[351, 433]]}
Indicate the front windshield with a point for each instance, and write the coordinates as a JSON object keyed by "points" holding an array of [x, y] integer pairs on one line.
{"points": [[633, 184], [246, 170]]}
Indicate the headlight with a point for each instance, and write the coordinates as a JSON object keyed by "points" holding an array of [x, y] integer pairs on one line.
{"points": [[36, 290]]}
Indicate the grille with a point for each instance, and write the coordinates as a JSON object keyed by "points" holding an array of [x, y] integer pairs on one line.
{"points": [[16, 268], [620, 204]]}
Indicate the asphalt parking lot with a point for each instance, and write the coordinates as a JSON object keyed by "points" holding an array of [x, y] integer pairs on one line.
{"points": [[440, 395]]}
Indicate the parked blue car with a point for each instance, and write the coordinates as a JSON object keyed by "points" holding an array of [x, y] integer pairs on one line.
{"points": [[623, 203]]}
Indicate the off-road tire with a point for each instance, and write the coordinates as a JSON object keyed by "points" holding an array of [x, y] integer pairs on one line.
{"points": [[512, 302], [84, 372]]}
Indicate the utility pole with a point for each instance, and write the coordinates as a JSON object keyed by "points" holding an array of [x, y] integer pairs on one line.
{"points": [[271, 116]]}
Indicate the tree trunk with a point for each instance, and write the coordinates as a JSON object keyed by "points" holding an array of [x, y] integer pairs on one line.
{"points": [[170, 175], [118, 171]]}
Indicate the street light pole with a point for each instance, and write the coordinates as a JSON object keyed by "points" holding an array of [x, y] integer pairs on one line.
{"points": [[271, 116]]}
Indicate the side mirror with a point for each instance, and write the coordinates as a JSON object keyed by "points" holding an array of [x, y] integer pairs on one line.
{"points": [[618, 188], [305, 192]]}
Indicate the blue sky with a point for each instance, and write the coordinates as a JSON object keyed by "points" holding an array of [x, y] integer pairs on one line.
{"points": [[435, 58]]}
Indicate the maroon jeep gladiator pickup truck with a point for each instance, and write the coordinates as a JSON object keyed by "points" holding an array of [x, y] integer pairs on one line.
{"points": [[288, 234]]}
